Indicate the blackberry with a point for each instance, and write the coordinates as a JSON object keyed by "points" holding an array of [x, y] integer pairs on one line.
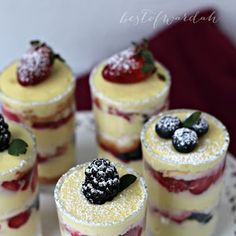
{"points": [[101, 182], [200, 127], [5, 134], [184, 140], [167, 125]]}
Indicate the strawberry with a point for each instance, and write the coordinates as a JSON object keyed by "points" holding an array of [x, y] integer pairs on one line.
{"points": [[19, 220], [173, 185], [130, 66], [136, 231], [36, 64], [11, 185], [200, 185], [34, 179]]}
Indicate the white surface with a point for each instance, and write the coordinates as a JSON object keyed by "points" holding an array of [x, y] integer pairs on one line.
{"points": [[87, 151], [85, 32]]}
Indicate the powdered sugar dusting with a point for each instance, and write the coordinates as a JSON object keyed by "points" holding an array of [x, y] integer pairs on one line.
{"points": [[122, 62], [211, 146], [126, 204]]}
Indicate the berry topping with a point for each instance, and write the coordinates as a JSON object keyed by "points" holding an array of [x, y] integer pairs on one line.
{"points": [[5, 134], [167, 125], [184, 140], [200, 127], [102, 181], [19, 220], [130, 66], [36, 64], [136, 231]]}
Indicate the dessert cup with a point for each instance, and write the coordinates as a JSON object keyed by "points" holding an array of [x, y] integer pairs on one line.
{"points": [[123, 215], [120, 111], [183, 185], [48, 109], [19, 203]]}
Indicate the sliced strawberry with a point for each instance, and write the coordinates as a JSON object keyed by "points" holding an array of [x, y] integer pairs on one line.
{"points": [[13, 185], [136, 231], [10, 115], [19, 220], [171, 184], [130, 66], [200, 185], [177, 218], [25, 180], [34, 179]]}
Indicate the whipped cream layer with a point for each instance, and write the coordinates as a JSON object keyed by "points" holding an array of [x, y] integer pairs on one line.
{"points": [[110, 219], [161, 197], [158, 225], [161, 155], [52, 169]]}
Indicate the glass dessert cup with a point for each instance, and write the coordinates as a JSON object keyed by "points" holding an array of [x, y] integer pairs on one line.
{"points": [[164, 224], [120, 111], [123, 215], [50, 115], [19, 206], [184, 187]]}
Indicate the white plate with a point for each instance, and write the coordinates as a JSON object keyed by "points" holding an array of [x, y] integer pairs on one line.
{"points": [[86, 148]]}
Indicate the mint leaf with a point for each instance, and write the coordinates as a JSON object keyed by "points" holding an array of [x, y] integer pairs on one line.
{"points": [[17, 147], [147, 68], [192, 119], [126, 181]]}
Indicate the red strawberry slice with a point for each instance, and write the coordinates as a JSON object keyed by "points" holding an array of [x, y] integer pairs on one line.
{"points": [[11, 185], [25, 180], [173, 185], [200, 185], [136, 231], [10, 115], [130, 66], [19, 220], [177, 218], [34, 179]]}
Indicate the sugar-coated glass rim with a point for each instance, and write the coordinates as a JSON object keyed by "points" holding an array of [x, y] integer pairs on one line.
{"points": [[29, 158], [61, 208], [156, 156], [55, 99], [128, 103]]}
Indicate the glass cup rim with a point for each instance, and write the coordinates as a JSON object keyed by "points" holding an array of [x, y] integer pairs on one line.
{"points": [[61, 208], [159, 157], [52, 100], [101, 96], [29, 158]]}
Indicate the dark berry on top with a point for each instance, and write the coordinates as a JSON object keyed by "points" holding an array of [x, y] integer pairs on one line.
{"points": [[101, 181], [184, 140], [167, 125], [200, 127], [5, 134]]}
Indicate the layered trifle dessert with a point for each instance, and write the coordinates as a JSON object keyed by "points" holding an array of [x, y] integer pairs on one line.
{"points": [[38, 90], [19, 206], [101, 199], [184, 159], [127, 89]]}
